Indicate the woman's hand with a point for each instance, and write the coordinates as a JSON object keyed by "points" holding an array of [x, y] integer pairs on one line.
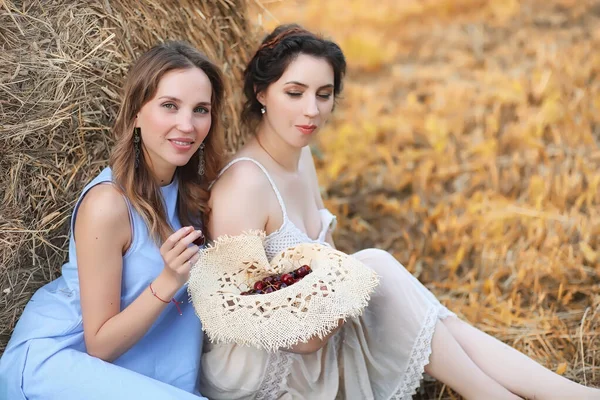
{"points": [[179, 253]]}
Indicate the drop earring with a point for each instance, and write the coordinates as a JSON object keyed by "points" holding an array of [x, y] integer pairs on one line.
{"points": [[263, 110], [201, 160], [137, 138]]}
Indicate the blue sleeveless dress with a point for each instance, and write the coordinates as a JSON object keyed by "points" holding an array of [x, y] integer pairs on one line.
{"points": [[46, 356]]}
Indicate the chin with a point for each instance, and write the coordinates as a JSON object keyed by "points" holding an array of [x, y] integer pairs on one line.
{"points": [[179, 162], [303, 142]]}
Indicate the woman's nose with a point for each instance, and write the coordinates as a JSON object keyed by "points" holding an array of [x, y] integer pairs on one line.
{"points": [[311, 109]]}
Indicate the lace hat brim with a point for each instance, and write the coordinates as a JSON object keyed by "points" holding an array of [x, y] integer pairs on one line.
{"points": [[339, 287]]}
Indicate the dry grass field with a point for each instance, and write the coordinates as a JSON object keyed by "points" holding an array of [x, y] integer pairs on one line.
{"points": [[466, 143]]}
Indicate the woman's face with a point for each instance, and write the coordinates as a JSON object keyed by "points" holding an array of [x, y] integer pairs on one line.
{"points": [[176, 120], [300, 102]]}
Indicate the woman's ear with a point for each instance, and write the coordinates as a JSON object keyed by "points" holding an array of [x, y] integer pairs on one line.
{"points": [[260, 96]]}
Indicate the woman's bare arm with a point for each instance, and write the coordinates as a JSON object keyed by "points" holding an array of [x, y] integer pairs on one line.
{"points": [[103, 232], [239, 203]]}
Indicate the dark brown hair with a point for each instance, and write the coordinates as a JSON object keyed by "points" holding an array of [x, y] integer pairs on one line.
{"points": [[274, 55]]}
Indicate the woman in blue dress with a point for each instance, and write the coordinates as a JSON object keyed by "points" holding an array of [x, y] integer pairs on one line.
{"points": [[117, 323]]}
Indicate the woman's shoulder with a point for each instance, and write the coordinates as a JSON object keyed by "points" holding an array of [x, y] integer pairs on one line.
{"points": [[104, 193], [243, 173], [104, 202], [103, 213], [240, 199]]}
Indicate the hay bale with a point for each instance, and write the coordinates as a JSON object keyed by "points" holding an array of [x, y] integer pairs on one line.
{"points": [[61, 67]]}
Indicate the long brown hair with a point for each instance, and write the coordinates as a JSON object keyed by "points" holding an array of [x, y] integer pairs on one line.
{"points": [[139, 184]]}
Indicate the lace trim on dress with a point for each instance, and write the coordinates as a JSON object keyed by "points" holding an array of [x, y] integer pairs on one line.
{"points": [[419, 357], [275, 380]]}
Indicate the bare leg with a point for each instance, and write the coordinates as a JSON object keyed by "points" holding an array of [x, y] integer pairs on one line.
{"points": [[450, 364], [513, 369]]}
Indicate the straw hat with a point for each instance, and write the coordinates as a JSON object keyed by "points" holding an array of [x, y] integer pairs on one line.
{"points": [[339, 287]]}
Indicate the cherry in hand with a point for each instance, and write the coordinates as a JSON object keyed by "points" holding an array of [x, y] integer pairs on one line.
{"points": [[200, 241]]}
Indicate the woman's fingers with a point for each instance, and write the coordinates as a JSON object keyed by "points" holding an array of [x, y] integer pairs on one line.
{"points": [[183, 261], [184, 243], [178, 242], [194, 259], [174, 239]]}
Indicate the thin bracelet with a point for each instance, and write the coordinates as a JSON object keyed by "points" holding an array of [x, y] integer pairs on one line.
{"points": [[177, 303]]}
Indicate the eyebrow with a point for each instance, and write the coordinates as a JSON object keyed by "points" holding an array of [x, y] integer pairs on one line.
{"points": [[202, 103], [305, 85]]}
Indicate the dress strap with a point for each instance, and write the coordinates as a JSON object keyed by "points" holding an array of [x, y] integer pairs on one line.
{"points": [[259, 165]]}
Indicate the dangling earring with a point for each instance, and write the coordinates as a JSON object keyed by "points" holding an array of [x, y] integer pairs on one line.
{"points": [[201, 160], [137, 138], [263, 110]]}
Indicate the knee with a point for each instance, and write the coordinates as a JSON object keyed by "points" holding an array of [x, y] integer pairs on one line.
{"points": [[374, 255], [453, 322], [381, 262], [458, 327]]}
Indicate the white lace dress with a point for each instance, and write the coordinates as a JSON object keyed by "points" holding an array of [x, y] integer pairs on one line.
{"points": [[380, 355]]}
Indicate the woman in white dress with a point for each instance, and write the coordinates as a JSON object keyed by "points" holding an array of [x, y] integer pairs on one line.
{"points": [[291, 85]]}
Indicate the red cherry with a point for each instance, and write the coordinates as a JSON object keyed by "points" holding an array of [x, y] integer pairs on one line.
{"points": [[277, 285], [200, 241], [287, 279], [260, 285], [300, 272], [268, 280]]}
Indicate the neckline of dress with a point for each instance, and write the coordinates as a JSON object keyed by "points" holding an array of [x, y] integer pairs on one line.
{"points": [[295, 227]]}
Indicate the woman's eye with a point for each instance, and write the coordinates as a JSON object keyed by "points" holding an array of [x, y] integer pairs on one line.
{"points": [[201, 110], [169, 106], [294, 94], [324, 96]]}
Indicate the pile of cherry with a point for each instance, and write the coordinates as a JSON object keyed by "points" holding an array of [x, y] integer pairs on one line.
{"points": [[272, 283]]}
